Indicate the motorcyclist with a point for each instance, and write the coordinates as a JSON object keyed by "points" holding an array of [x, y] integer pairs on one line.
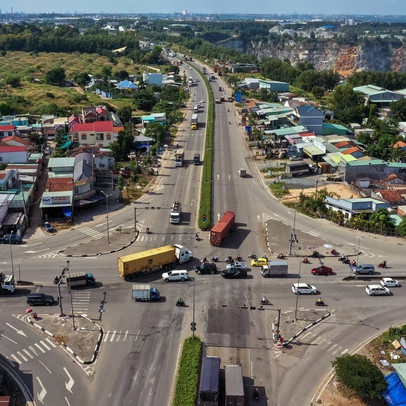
{"points": [[196, 236], [320, 301], [147, 230], [180, 302], [264, 300], [305, 260]]}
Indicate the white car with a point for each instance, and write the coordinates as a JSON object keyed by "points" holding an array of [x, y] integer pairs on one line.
{"points": [[389, 282], [241, 265], [377, 290], [201, 101], [304, 289]]}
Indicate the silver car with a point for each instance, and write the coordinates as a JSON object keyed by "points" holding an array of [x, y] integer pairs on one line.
{"points": [[241, 265]]}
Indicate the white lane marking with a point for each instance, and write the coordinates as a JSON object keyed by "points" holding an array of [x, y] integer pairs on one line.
{"points": [[125, 335], [49, 371], [113, 335], [43, 392], [21, 332], [15, 342], [71, 382], [106, 336]]}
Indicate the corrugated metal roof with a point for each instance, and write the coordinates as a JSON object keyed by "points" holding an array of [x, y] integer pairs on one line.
{"points": [[61, 162]]}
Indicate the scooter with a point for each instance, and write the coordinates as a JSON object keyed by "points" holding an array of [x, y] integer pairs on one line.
{"points": [[334, 252], [281, 256], [252, 255], [265, 301], [320, 302], [255, 393], [238, 258], [305, 260], [346, 260], [197, 237], [382, 264], [180, 303]]}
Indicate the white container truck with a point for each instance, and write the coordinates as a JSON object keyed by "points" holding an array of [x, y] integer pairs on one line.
{"points": [[275, 269], [144, 293]]}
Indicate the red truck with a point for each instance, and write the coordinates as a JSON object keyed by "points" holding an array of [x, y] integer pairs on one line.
{"points": [[221, 230]]}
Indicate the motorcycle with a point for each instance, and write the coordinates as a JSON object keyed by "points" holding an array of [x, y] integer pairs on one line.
{"points": [[255, 393], [229, 260], [265, 301], [334, 252], [147, 230], [382, 264], [215, 258], [238, 258], [305, 260], [346, 260], [252, 255], [180, 303], [341, 258], [281, 256], [197, 237], [320, 302]]}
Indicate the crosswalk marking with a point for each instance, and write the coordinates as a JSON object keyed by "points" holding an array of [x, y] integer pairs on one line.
{"points": [[15, 359], [45, 345], [115, 336], [39, 347], [33, 350], [91, 232], [50, 342], [22, 356], [28, 353]]}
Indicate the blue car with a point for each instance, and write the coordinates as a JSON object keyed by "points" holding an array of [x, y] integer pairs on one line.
{"points": [[11, 239]]}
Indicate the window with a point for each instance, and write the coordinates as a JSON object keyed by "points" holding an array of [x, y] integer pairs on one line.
{"points": [[83, 137], [108, 137]]}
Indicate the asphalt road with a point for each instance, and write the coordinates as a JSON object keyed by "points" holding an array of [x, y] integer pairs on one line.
{"points": [[140, 348]]}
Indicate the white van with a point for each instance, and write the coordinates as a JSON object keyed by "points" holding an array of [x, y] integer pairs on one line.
{"points": [[175, 276]]}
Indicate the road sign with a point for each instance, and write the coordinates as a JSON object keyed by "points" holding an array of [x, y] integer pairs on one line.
{"points": [[204, 217]]}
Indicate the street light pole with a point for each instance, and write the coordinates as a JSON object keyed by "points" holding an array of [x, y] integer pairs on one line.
{"points": [[359, 242], [297, 293], [107, 215], [11, 254], [71, 299]]}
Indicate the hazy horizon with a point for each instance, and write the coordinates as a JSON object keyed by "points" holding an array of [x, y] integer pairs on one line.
{"points": [[316, 7]]}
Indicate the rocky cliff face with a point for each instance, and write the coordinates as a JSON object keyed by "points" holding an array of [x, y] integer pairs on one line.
{"points": [[325, 55]]}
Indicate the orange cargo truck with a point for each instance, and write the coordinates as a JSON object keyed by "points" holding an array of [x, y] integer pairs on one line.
{"points": [[221, 230]]}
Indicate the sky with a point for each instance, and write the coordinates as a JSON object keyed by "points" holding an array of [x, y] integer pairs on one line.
{"points": [[348, 7]]}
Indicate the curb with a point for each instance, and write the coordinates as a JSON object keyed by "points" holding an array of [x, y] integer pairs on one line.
{"points": [[62, 252], [328, 314], [67, 348]]}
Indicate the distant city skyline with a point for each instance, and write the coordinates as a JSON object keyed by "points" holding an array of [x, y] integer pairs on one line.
{"points": [[314, 7]]}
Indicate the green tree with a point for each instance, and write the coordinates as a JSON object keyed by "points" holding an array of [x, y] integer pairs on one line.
{"points": [[157, 132], [55, 76], [401, 228], [144, 99], [125, 113], [82, 78], [399, 109], [122, 147], [358, 374]]}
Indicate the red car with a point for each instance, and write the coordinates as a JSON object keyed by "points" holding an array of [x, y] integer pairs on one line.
{"points": [[322, 270]]}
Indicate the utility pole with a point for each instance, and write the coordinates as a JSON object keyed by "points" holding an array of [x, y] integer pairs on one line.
{"points": [[57, 281], [11, 254], [107, 215], [293, 238]]}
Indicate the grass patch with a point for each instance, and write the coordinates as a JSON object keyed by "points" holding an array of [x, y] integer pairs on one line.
{"points": [[188, 373], [279, 189]]}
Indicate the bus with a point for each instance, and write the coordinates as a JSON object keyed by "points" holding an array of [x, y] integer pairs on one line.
{"points": [[195, 123]]}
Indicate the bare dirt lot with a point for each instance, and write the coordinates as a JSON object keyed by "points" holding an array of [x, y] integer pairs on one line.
{"points": [[339, 189]]}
